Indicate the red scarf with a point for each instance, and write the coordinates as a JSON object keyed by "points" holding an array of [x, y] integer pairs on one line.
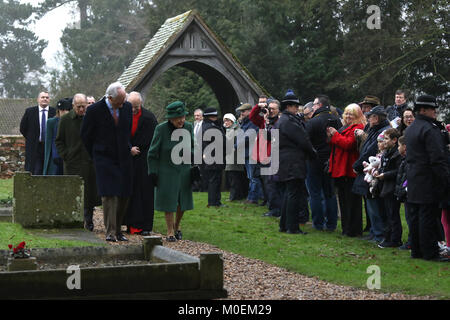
{"points": [[135, 122]]}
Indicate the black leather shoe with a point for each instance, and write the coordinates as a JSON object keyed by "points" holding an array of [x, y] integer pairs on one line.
{"points": [[178, 235], [171, 239], [121, 237], [111, 239]]}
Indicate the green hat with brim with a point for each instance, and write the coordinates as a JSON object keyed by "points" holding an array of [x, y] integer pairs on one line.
{"points": [[176, 109]]}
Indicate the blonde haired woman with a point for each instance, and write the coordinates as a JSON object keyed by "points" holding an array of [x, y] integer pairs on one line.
{"points": [[344, 153]]}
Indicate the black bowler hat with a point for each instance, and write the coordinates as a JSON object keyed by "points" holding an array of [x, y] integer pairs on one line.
{"points": [[425, 101], [64, 104], [210, 111]]}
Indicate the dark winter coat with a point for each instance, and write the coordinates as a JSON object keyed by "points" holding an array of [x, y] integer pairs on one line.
{"points": [[400, 185], [390, 162], [295, 147], [75, 156], [140, 208], [316, 128], [109, 147], [214, 125], [426, 156], [30, 129], [369, 148]]}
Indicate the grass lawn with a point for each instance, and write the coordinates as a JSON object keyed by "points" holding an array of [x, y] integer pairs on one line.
{"points": [[331, 257], [241, 229]]}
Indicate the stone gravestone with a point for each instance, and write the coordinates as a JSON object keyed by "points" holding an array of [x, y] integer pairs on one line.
{"points": [[48, 201]]}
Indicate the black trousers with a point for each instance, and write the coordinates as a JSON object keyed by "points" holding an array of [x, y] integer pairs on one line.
{"points": [[424, 236], [236, 185], [214, 184], [295, 198], [351, 207], [39, 164], [274, 195], [393, 227]]}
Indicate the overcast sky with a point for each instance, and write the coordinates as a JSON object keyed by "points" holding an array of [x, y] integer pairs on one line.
{"points": [[49, 27]]}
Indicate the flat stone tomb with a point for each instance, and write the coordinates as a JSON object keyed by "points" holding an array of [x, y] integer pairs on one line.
{"points": [[147, 271]]}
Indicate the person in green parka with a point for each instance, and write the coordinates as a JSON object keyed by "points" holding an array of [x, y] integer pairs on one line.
{"points": [[75, 157], [53, 164], [172, 178]]}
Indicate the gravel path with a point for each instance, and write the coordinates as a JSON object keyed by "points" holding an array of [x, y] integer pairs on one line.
{"points": [[250, 279]]}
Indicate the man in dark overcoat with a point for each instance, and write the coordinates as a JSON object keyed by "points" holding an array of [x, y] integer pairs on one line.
{"points": [[139, 217], [295, 148], [105, 132], [427, 178], [76, 159], [213, 170], [33, 127]]}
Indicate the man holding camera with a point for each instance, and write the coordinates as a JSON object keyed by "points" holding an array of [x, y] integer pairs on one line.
{"points": [[320, 187], [264, 115]]}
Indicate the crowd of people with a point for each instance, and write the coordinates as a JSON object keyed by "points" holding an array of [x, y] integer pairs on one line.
{"points": [[330, 163]]}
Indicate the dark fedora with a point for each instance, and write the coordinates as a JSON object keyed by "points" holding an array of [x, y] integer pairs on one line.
{"points": [[290, 99], [64, 104], [370, 100], [425, 101], [176, 109]]}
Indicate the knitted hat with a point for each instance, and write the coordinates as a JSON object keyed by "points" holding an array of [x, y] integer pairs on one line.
{"points": [[176, 109], [229, 116], [380, 137], [290, 99]]}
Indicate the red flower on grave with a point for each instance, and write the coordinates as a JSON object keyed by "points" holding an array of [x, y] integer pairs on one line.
{"points": [[10, 246], [21, 245]]}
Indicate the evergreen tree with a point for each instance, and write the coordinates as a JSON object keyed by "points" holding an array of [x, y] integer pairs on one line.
{"points": [[20, 52]]}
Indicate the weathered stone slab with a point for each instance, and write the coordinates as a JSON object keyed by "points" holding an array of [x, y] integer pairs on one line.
{"points": [[6, 214], [48, 201]]}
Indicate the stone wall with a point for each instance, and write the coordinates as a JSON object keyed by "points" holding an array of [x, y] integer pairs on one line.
{"points": [[12, 155]]}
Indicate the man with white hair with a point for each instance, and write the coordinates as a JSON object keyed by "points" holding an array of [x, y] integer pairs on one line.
{"points": [[105, 132]]}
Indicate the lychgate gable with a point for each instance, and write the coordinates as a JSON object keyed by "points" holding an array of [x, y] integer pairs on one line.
{"points": [[187, 41]]}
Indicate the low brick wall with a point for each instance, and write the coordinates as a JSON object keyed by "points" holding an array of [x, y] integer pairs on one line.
{"points": [[12, 155]]}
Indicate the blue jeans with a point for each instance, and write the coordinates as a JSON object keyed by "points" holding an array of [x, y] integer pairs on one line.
{"points": [[375, 210], [255, 190], [322, 197]]}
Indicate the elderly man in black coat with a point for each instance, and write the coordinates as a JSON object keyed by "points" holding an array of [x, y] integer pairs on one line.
{"points": [[294, 148], [105, 132], [33, 127], [139, 217], [427, 176]]}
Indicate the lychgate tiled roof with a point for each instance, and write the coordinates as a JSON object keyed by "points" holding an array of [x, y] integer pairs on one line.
{"points": [[164, 39], [152, 50], [11, 112]]}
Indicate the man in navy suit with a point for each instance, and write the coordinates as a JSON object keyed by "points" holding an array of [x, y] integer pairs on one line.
{"points": [[33, 127], [105, 132]]}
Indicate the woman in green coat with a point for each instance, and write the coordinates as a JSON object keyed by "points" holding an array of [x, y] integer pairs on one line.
{"points": [[173, 192]]}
